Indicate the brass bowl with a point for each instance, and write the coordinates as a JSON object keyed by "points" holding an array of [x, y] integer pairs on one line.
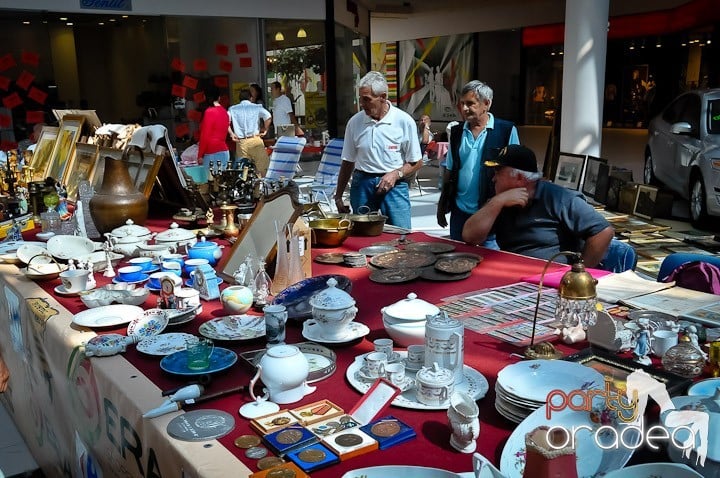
{"points": [[330, 232]]}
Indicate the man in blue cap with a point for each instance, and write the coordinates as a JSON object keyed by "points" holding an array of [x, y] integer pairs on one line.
{"points": [[537, 218]]}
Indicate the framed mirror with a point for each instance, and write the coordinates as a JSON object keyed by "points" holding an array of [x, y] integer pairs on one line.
{"points": [[258, 237]]}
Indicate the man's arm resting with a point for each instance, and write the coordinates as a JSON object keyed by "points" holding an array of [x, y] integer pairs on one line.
{"points": [[478, 226], [596, 246]]}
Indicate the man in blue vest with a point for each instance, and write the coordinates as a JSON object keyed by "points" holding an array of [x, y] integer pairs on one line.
{"points": [[467, 183]]}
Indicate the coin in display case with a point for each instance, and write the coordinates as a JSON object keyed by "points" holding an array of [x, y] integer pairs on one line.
{"points": [[312, 456], [269, 462], [386, 429], [288, 437], [282, 473], [348, 439], [280, 421], [247, 441]]}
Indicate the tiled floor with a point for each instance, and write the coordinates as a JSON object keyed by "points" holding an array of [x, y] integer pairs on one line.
{"points": [[15, 458]]}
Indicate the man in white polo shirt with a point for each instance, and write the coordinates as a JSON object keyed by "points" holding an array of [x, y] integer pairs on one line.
{"points": [[282, 110], [244, 130], [381, 146]]}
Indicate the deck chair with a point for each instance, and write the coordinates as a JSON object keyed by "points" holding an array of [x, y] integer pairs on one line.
{"points": [[285, 158], [326, 176]]}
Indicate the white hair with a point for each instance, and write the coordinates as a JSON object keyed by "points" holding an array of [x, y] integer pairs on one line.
{"points": [[481, 90], [375, 81], [526, 174]]}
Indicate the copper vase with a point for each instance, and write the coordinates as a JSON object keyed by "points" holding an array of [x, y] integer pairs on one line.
{"points": [[118, 199]]}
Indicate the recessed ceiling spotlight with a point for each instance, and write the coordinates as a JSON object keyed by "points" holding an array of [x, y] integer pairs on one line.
{"points": [[112, 19], [69, 24], [62, 19], [26, 22], [124, 16], [101, 23]]}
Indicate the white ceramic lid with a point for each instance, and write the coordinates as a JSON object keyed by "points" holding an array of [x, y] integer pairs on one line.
{"points": [[332, 298], [410, 308], [435, 375], [174, 234], [130, 229]]}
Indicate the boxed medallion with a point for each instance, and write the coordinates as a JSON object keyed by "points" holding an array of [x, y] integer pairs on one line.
{"points": [[289, 438], [316, 412], [334, 425], [273, 422], [286, 469], [313, 457], [350, 443], [389, 431]]}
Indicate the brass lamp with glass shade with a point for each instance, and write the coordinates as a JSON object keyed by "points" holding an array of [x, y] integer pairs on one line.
{"points": [[577, 303]]}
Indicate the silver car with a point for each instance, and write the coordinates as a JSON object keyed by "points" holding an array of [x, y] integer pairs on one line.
{"points": [[683, 151]]}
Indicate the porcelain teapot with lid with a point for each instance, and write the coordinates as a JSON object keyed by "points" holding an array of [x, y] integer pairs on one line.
{"points": [[204, 249], [332, 309], [284, 370]]}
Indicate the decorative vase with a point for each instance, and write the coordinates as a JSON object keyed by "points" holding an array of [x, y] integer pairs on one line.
{"points": [[118, 199]]}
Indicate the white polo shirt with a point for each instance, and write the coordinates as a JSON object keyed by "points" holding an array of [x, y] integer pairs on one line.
{"points": [[282, 107], [381, 146], [246, 116]]}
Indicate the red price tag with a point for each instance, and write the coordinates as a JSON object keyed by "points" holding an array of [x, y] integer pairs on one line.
{"points": [[246, 62], [12, 100], [177, 64], [25, 79]]}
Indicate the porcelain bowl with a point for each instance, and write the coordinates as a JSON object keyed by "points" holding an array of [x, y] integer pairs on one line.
{"points": [[405, 332], [69, 247], [43, 272]]}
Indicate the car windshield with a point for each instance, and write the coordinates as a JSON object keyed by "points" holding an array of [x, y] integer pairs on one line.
{"points": [[714, 116]]}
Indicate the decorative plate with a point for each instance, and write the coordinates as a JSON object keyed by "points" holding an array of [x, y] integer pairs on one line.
{"points": [[656, 470], [69, 247], [430, 273], [164, 344], [182, 316], [12, 246], [330, 258], [403, 259], [296, 298], [704, 387], [149, 323], [220, 359], [107, 315], [60, 290], [475, 385], [234, 327], [375, 250], [453, 255], [591, 459], [356, 330], [434, 247], [322, 360], [535, 379], [28, 251], [456, 265], [394, 276]]}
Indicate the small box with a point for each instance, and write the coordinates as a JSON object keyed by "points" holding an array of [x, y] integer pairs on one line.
{"points": [[316, 412], [293, 437], [389, 431], [313, 457], [350, 443], [334, 425], [273, 422], [293, 470]]}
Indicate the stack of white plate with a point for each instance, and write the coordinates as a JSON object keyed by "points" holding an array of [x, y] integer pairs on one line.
{"points": [[523, 387]]}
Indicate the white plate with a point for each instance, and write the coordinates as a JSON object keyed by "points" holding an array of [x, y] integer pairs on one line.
{"points": [[475, 385], [107, 315], [535, 379], [150, 323], [164, 344], [60, 290], [591, 459], [655, 470], [12, 246], [28, 251], [234, 327], [69, 247], [311, 331]]}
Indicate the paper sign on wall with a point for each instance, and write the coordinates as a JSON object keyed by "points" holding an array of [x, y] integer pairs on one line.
{"points": [[221, 49], [190, 82], [177, 64], [200, 65], [30, 58], [178, 90], [241, 48], [37, 95], [12, 100], [25, 79], [246, 62], [199, 97], [225, 66]]}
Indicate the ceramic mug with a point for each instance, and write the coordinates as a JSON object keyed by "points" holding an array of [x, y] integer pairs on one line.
{"points": [[145, 263], [395, 372], [75, 280], [172, 267], [662, 340], [416, 355], [187, 297], [375, 363], [385, 346], [199, 351], [275, 318]]}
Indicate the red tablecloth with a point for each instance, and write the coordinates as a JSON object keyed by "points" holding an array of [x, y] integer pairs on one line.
{"points": [[431, 448]]}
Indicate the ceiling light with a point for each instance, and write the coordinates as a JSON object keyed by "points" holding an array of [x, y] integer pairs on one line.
{"points": [[101, 23], [69, 24], [112, 19], [124, 16], [26, 22], [302, 33], [279, 36], [62, 19]]}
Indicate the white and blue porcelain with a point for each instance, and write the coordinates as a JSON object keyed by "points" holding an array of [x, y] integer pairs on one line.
{"points": [[205, 249]]}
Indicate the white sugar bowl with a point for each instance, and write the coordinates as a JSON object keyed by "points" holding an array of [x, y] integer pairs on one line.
{"points": [[405, 320], [332, 309], [434, 385]]}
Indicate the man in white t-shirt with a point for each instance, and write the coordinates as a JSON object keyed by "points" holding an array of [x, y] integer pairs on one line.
{"points": [[282, 110]]}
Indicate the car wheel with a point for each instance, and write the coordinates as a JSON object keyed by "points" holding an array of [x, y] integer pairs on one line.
{"points": [[648, 174], [698, 206]]}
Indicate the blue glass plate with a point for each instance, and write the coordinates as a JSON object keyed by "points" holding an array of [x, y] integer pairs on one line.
{"points": [[296, 298], [220, 359]]}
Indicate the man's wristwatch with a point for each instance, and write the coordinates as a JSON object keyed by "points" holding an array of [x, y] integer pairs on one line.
{"points": [[400, 173]]}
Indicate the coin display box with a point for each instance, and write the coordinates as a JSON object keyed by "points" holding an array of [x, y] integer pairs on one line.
{"points": [[313, 457], [316, 412], [334, 425], [291, 470], [273, 422], [389, 431], [350, 443], [290, 438]]}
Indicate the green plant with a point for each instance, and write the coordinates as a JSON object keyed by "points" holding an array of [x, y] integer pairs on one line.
{"points": [[292, 62]]}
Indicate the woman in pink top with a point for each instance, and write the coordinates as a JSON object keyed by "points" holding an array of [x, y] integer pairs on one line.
{"points": [[213, 131]]}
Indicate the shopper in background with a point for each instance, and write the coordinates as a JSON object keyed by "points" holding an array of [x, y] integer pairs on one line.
{"points": [[245, 130], [381, 146], [282, 110], [467, 183], [213, 131], [424, 134], [256, 94]]}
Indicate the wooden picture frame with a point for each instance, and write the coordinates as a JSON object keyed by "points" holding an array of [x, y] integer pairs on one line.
{"points": [[68, 135], [645, 200], [617, 369], [569, 171], [258, 237], [143, 169], [80, 168], [591, 176], [43, 151], [602, 185]]}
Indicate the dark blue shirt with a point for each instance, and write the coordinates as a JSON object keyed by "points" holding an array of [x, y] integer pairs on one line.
{"points": [[557, 219]]}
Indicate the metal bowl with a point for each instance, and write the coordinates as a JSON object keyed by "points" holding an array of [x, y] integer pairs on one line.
{"points": [[330, 232]]}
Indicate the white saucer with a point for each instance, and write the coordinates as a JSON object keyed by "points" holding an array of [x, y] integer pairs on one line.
{"points": [[60, 290], [362, 375], [356, 330], [406, 384], [412, 366]]}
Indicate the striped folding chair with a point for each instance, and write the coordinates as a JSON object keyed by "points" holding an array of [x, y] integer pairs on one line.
{"points": [[326, 176], [285, 157]]}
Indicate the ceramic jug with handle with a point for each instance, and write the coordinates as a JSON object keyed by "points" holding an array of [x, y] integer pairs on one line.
{"points": [[445, 344], [284, 370]]}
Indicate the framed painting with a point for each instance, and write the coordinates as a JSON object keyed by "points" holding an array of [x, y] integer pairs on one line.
{"points": [[645, 201], [591, 176], [80, 168], [43, 151], [68, 134], [143, 169], [570, 170]]}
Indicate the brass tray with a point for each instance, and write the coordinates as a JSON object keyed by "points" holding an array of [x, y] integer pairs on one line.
{"points": [[434, 247], [403, 260], [456, 265], [394, 276], [330, 258], [430, 273], [451, 255]]}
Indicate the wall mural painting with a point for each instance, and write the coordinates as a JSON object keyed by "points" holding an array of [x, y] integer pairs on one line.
{"points": [[383, 58], [432, 72]]}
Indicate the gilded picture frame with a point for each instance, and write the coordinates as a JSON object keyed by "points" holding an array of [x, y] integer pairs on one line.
{"points": [[43, 151], [80, 168], [64, 149]]}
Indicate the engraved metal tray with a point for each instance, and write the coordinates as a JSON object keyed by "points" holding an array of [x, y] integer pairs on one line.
{"points": [[403, 260]]}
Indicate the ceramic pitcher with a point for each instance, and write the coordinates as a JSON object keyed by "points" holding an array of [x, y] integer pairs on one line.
{"points": [[445, 344], [284, 370]]}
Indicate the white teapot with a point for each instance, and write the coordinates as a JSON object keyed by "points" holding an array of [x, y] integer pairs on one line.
{"points": [[284, 370]]}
